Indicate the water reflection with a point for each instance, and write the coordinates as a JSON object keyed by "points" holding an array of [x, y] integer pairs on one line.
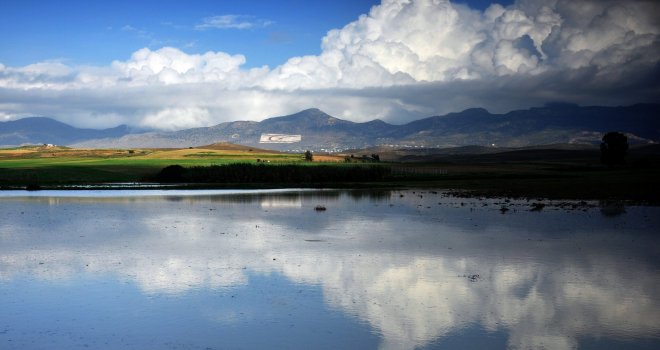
{"points": [[416, 267], [612, 208]]}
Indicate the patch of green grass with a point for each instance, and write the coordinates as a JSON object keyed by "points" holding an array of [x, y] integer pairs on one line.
{"points": [[531, 180], [91, 167], [69, 175], [139, 161]]}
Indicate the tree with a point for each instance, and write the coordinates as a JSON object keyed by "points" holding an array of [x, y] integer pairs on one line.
{"points": [[172, 173], [613, 149], [308, 156]]}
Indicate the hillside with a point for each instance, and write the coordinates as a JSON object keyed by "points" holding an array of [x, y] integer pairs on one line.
{"points": [[226, 146], [551, 124], [41, 130]]}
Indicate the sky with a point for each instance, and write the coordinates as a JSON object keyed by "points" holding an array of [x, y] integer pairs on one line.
{"points": [[172, 64]]}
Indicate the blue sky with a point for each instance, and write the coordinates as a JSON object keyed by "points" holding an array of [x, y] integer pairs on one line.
{"points": [[98, 32], [174, 64]]}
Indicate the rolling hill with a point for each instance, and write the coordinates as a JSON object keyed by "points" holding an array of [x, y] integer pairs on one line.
{"points": [[551, 124], [41, 130]]}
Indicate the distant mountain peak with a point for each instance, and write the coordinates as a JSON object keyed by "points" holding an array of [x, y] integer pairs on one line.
{"points": [[312, 117], [375, 121], [476, 110], [321, 131], [40, 130], [312, 110], [29, 122], [561, 105]]}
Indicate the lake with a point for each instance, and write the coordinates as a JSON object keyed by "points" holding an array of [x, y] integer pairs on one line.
{"points": [[409, 269]]}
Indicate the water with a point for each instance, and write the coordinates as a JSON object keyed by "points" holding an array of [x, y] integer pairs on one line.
{"points": [[376, 270]]}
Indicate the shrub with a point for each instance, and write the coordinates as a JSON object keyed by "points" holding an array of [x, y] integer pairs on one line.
{"points": [[262, 173]]}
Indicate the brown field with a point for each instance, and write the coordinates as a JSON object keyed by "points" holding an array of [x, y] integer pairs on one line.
{"points": [[328, 158], [226, 146], [214, 150]]}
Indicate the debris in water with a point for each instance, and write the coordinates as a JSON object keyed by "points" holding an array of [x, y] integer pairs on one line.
{"points": [[319, 208], [472, 278], [537, 207]]}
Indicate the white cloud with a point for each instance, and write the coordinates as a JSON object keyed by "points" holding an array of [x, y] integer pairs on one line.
{"points": [[232, 22], [403, 60], [177, 118], [172, 66], [6, 116], [139, 32]]}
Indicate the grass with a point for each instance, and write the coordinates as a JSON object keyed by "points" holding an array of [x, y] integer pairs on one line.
{"points": [[47, 166], [566, 178], [642, 185], [61, 165]]}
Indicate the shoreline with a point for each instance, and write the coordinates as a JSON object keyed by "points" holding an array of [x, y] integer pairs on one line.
{"points": [[534, 191]]}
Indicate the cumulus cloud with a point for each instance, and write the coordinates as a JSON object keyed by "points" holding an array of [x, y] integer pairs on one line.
{"points": [[403, 60], [172, 66]]}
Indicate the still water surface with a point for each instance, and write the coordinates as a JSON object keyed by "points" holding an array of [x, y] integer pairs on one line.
{"points": [[376, 270]]}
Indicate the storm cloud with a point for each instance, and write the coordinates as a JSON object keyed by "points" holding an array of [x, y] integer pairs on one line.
{"points": [[401, 61]]}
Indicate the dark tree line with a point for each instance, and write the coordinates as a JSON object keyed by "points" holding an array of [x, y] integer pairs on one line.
{"points": [[374, 158], [613, 149], [262, 173]]}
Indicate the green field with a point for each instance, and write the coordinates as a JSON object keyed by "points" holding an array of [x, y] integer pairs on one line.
{"points": [[51, 166], [570, 175]]}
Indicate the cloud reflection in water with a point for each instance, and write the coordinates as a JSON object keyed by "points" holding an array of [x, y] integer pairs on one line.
{"points": [[400, 264]]}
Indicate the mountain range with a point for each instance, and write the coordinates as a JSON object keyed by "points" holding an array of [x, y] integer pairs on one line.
{"points": [[41, 130], [557, 123]]}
